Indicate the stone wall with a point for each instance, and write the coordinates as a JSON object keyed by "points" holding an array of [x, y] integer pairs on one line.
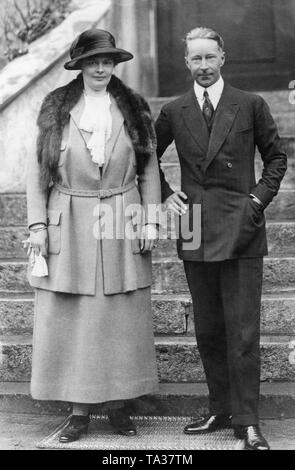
{"points": [[134, 23]]}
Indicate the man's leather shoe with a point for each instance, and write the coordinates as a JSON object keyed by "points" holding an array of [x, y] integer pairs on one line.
{"points": [[209, 424], [121, 422], [75, 427], [252, 437]]}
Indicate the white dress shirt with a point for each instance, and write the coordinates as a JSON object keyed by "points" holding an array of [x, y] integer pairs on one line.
{"points": [[214, 92]]}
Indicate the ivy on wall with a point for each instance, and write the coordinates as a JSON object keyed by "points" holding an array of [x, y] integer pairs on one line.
{"points": [[24, 21]]}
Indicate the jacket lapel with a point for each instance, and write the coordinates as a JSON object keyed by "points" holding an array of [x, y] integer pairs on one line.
{"points": [[76, 111], [194, 120], [226, 112], [76, 114], [117, 123]]}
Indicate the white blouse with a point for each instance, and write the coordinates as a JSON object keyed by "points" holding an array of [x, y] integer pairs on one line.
{"points": [[97, 119]]}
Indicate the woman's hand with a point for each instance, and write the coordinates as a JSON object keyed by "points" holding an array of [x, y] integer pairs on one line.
{"points": [[39, 242], [175, 204], [149, 236]]}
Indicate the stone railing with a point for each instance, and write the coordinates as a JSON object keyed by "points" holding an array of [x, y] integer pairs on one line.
{"points": [[25, 81]]}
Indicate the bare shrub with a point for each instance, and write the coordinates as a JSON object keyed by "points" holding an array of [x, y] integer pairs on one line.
{"points": [[23, 21]]}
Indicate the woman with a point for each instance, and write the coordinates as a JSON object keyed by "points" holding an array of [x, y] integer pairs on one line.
{"points": [[93, 340]]}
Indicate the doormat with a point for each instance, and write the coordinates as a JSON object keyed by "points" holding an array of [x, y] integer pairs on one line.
{"points": [[153, 433]]}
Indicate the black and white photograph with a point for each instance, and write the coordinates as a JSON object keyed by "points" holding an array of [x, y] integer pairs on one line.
{"points": [[147, 227]]}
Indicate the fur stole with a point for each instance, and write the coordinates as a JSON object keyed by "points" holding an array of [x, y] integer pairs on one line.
{"points": [[55, 113]]}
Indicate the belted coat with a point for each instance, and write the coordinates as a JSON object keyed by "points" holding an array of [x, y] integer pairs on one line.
{"points": [[61, 191]]}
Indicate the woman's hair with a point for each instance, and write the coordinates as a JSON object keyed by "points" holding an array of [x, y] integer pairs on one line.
{"points": [[203, 33]]}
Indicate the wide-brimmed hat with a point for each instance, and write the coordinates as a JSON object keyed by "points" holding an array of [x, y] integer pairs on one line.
{"points": [[92, 42]]}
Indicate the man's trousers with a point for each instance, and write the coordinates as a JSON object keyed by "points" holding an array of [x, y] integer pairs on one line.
{"points": [[226, 300]]}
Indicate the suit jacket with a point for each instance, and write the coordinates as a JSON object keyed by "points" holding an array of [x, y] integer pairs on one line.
{"points": [[74, 222], [217, 171]]}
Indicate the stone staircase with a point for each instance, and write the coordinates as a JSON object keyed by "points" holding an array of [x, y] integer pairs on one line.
{"points": [[182, 389]]}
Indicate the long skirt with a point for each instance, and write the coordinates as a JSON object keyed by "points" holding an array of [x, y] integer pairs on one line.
{"points": [[93, 349]]}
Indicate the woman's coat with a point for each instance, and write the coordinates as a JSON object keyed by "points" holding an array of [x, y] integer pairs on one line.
{"points": [[74, 222]]}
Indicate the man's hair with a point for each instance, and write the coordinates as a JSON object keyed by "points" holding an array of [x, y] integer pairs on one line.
{"points": [[203, 33]]}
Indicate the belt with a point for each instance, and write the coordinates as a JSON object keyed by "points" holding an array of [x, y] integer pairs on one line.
{"points": [[99, 193]]}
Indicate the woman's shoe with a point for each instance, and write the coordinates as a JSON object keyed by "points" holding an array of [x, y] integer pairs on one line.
{"points": [[75, 427], [121, 422]]}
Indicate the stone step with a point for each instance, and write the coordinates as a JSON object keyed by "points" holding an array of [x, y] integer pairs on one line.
{"points": [[177, 358], [172, 315], [282, 110], [11, 242], [282, 207], [277, 400], [16, 316], [281, 240], [279, 276], [168, 276], [280, 235], [13, 209], [13, 277]]}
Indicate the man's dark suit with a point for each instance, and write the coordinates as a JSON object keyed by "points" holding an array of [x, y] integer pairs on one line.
{"points": [[225, 273]]}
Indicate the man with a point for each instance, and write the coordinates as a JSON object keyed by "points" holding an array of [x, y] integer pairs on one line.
{"points": [[216, 129]]}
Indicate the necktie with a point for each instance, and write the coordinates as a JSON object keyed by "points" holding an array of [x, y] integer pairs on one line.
{"points": [[208, 110]]}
